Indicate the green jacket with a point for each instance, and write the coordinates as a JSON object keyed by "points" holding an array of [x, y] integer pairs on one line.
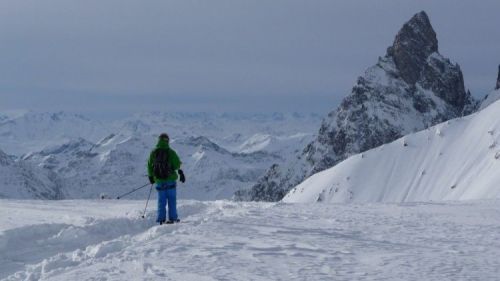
{"points": [[175, 162]]}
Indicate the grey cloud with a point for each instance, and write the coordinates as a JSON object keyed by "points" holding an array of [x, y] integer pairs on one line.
{"points": [[277, 55]]}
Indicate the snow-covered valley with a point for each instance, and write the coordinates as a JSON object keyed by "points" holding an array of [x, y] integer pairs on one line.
{"points": [[222, 240]]}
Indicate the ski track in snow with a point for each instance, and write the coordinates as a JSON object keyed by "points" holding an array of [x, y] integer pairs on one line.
{"points": [[221, 240]]}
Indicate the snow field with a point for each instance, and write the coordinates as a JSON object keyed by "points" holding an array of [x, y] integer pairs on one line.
{"points": [[221, 240]]}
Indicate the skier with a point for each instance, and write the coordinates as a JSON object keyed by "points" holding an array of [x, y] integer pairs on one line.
{"points": [[163, 167]]}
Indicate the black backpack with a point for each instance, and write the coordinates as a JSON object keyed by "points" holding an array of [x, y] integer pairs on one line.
{"points": [[161, 164]]}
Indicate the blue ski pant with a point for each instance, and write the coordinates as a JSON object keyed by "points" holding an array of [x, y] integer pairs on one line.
{"points": [[167, 195]]}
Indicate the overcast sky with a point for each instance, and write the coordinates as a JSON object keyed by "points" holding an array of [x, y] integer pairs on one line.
{"points": [[128, 56]]}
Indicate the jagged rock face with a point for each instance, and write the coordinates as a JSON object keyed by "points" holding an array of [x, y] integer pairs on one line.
{"points": [[445, 80], [270, 186], [412, 46], [412, 54], [411, 88], [498, 79]]}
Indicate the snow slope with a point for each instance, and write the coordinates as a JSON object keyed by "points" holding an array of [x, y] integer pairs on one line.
{"points": [[106, 240], [490, 98], [455, 160], [22, 180]]}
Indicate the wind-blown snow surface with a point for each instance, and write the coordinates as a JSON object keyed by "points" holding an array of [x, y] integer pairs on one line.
{"points": [[455, 160], [106, 240]]}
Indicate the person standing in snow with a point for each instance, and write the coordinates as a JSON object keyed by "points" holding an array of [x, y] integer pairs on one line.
{"points": [[164, 169]]}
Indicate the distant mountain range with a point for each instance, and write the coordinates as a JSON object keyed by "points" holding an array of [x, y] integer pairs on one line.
{"points": [[64, 155]]}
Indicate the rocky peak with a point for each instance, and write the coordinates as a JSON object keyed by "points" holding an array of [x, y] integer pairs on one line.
{"points": [[411, 88], [413, 44], [498, 79]]}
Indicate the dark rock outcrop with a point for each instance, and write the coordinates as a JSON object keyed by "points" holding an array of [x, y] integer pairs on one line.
{"points": [[412, 46], [498, 79], [411, 88]]}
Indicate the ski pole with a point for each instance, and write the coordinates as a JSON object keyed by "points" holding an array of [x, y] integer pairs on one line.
{"points": [[144, 213], [133, 190]]}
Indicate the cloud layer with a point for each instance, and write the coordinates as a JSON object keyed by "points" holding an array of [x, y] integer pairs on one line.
{"points": [[219, 55]]}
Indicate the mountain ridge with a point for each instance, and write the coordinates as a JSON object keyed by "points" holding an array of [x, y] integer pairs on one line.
{"points": [[455, 160], [216, 161], [411, 88]]}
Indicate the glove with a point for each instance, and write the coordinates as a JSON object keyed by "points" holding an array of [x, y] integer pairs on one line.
{"points": [[151, 180], [182, 178]]}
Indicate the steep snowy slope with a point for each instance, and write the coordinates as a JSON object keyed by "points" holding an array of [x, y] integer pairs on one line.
{"points": [[19, 179], [490, 98], [455, 160], [411, 88]]}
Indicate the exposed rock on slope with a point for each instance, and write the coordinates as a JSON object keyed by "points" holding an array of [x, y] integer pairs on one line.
{"points": [[498, 79], [455, 160], [409, 89]]}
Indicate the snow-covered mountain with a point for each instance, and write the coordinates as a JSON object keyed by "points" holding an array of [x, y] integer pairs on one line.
{"points": [[229, 130], [118, 164], [19, 179], [409, 89], [455, 160], [32, 131], [220, 152]]}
